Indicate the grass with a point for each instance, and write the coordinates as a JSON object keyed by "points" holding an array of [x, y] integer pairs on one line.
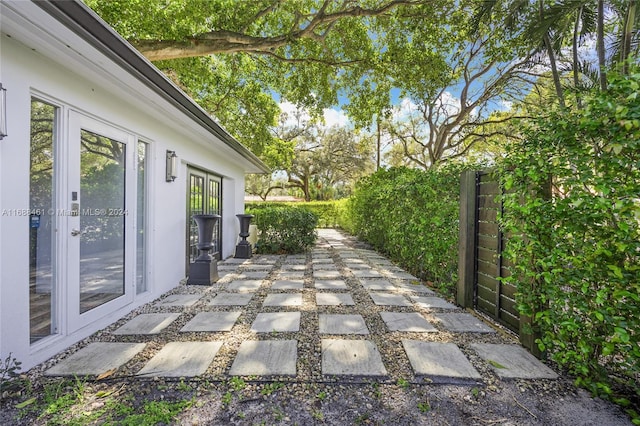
{"points": [[76, 402]]}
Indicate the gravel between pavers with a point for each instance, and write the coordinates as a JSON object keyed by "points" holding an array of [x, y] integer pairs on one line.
{"points": [[400, 398]]}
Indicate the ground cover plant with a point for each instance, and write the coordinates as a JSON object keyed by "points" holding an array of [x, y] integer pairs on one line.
{"points": [[573, 212]]}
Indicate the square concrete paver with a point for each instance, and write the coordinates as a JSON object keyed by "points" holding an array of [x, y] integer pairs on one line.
{"points": [[266, 358], [244, 285], [293, 267], [351, 358], [513, 362], [231, 299], [276, 321], [334, 299], [181, 359], [287, 285], [463, 323], [412, 287], [432, 302], [409, 322], [253, 275], [283, 300], [257, 267], [401, 275], [342, 324], [366, 273], [180, 300], [330, 285], [291, 275], [439, 361], [325, 267], [389, 299], [147, 324], [212, 321], [235, 261], [377, 285], [326, 275], [357, 266], [355, 260], [95, 359]]}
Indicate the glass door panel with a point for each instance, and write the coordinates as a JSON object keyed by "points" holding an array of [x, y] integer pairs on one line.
{"points": [[99, 235], [204, 197], [42, 225], [102, 219]]}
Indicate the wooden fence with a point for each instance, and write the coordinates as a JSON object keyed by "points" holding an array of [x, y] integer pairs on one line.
{"points": [[481, 265]]}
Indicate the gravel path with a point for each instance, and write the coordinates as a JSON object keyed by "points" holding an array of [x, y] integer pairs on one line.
{"points": [[339, 265]]}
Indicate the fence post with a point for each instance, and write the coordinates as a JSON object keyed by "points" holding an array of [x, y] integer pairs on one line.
{"points": [[467, 242]]}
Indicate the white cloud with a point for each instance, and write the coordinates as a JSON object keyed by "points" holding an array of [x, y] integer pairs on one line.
{"points": [[334, 117]]}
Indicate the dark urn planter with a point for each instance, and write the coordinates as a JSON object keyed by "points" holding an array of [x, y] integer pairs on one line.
{"points": [[243, 249], [204, 270]]}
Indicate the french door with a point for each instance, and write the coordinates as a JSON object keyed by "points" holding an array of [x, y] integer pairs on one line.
{"points": [[98, 227], [204, 197]]}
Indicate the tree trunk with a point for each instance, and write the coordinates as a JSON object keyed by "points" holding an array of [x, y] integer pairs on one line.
{"points": [[552, 61], [378, 143], [627, 34], [600, 46], [576, 66]]}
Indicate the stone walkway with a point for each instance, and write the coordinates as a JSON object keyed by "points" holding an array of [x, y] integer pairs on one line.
{"points": [[257, 321]]}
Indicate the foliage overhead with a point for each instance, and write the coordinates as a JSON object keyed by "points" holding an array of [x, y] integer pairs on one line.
{"points": [[234, 57]]}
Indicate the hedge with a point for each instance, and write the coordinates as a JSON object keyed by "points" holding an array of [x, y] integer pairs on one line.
{"points": [[576, 250], [287, 229], [326, 211], [411, 216]]}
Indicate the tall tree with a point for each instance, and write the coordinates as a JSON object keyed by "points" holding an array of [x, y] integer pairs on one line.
{"points": [[234, 56], [328, 161], [484, 71]]}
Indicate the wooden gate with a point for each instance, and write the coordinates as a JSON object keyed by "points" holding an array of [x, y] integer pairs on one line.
{"points": [[481, 264]]}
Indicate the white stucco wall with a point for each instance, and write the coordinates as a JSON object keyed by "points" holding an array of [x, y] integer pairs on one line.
{"points": [[25, 73]]}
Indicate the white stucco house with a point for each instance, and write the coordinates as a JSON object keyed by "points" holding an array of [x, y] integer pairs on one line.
{"points": [[103, 161]]}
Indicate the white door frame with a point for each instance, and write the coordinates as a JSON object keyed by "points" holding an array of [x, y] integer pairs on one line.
{"points": [[70, 225]]}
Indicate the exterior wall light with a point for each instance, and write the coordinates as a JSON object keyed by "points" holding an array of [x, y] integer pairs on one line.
{"points": [[3, 112], [172, 166]]}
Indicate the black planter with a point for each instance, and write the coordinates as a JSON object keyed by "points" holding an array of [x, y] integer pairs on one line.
{"points": [[243, 249], [204, 270]]}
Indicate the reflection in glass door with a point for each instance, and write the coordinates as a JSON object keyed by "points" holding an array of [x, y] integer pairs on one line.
{"points": [[99, 231], [102, 219], [205, 197], [42, 226]]}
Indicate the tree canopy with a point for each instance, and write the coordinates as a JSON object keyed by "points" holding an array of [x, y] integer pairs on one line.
{"points": [[237, 58], [240, 58]]}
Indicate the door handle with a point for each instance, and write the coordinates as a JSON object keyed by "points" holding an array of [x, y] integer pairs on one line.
{"points": [[76, 232]]}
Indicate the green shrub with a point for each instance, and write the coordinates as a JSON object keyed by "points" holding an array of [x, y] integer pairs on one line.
{"points": [[577, 251], [412, 216], [326, 211], [285, 229], [344, 218]]}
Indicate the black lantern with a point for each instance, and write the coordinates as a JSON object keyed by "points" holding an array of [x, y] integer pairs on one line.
{"points": [[243, 249], [204, 270]]}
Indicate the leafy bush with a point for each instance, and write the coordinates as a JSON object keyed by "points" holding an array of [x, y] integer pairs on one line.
{"points": [[412, 216], [326, 211], [577, 248], [285, 229]]}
